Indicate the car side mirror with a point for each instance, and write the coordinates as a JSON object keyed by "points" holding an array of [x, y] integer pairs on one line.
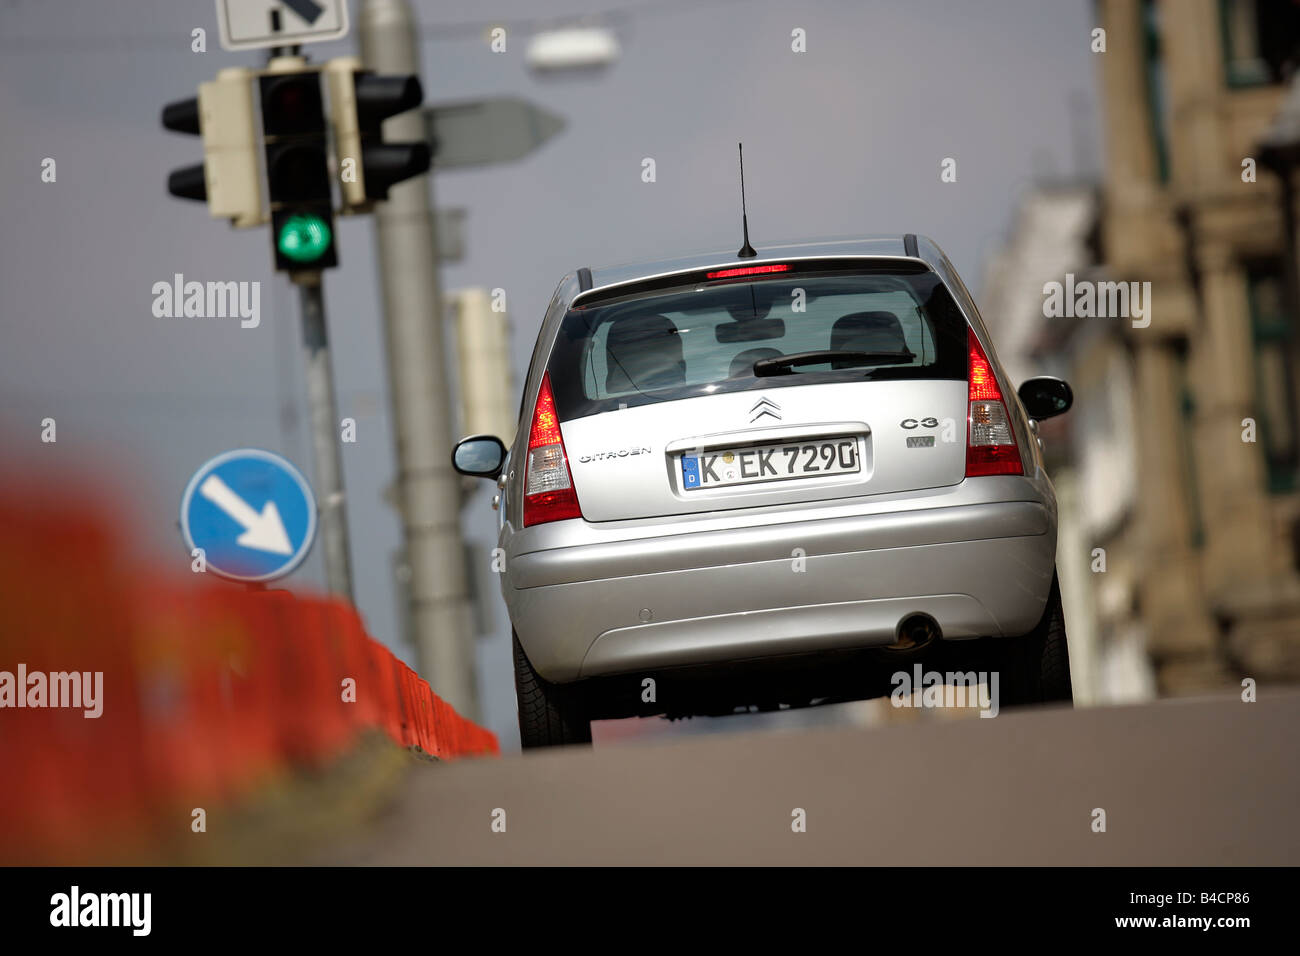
{"points": [[1045, 396], [479, 456]]}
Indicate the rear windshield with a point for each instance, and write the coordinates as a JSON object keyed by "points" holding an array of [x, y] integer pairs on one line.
{"points": [[705, 339]]}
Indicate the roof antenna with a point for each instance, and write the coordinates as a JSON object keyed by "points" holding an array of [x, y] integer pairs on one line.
{"points": [[746, 251]]}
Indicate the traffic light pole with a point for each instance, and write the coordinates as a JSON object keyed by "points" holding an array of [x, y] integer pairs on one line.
{"points": [[428, 490], [323, 409]]}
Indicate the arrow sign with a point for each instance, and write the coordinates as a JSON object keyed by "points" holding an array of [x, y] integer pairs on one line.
{"points": [[481, 132], [251, 512], [253, 24]]}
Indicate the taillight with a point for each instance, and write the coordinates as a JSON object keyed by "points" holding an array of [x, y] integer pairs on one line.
{"points": [[991, 442], [548, 483]]}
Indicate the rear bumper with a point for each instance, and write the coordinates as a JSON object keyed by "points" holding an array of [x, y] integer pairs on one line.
{"points": [[615, 607]]}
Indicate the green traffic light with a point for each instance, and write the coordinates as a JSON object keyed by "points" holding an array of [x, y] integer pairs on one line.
{"points": [[304, 238]]}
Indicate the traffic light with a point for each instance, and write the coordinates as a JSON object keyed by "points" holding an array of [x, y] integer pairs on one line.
{"points": [[360, 101], [228, 178], [296, 149], [296, 138]]}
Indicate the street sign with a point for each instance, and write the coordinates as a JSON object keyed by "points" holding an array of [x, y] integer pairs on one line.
{"points": [[252, 513], [482, 132], [253, 24]]}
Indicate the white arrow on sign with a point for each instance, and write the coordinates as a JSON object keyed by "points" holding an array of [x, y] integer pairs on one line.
{"points": [[262, 532]]}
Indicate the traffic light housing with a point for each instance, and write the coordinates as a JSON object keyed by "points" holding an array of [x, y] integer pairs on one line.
{"points": [[228, 178], [360, 101], [296, 137], [296, 149]]}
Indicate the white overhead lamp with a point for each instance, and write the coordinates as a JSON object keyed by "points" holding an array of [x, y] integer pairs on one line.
{"points": [[572, 48]]}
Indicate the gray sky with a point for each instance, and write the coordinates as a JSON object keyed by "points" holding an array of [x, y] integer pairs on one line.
{"points": [[844, 139]]}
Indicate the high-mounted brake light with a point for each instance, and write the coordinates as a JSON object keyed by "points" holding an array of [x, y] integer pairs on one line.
{"points": [[991, 443], [747, 271], [548, 483]]}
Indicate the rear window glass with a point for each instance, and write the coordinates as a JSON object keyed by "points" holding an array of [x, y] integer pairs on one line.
{"points": [[704, 339]]}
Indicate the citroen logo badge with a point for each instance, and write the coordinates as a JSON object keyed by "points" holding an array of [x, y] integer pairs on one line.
{"points": [[764, 406]]}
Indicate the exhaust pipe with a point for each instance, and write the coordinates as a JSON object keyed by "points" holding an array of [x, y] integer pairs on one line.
{"points": [[915, 632]]}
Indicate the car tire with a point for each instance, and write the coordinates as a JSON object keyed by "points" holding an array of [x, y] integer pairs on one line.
{"points": [[550, 715], [1035, 669]]}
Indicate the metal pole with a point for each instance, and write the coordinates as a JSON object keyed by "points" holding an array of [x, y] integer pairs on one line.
{"points": [[429, 493], [323, 408]]}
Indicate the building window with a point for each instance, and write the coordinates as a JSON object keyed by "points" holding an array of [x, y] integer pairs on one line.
{"points": [[1260, 40], [1157, 100], [1185, 406], [1275, 348]]}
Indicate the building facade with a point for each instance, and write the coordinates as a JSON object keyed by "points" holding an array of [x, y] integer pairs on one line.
{"points": [[1189, 92]]}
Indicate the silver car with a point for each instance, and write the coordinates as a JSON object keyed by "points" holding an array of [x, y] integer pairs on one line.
{"points": [[771, 481]]}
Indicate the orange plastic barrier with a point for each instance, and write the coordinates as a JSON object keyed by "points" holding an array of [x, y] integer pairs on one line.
{"points": [[208, 689]]}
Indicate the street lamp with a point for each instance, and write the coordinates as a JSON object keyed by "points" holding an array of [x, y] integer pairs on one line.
{"points": [[572, 48]]}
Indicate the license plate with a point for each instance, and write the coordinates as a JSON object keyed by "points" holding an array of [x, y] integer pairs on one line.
{"points": [[756, 463]]}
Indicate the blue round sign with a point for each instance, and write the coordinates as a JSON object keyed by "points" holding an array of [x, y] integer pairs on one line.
{"points": [[252, 513]]}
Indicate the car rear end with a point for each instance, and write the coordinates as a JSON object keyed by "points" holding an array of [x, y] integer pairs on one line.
{"points": [[767, 458]]}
